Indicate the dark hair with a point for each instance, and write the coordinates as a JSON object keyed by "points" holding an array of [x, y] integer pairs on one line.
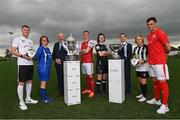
{"points": [[40, 40], [151, 18], [123, 34], [25, 26], [86, 31], [99, 36]]}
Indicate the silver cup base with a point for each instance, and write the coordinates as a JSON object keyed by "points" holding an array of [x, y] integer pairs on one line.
{"points": [[72, 57]]}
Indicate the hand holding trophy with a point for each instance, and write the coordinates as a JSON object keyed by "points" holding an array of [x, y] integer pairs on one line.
{"points": [[114, 48], [135, 61], [30, 52]]}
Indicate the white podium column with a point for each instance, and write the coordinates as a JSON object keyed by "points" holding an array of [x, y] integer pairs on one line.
{"points": [[72, 93], [116, 81]]}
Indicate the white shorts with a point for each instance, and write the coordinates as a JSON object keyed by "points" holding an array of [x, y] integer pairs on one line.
{"points": [[87, 68], [160, 71]]}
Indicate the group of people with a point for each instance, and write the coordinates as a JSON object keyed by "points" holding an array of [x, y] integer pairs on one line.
{"points": [[152, 61]]}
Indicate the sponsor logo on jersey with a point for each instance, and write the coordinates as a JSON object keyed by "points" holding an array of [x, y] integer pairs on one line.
{"points": [[23, 41], [97, 47]]}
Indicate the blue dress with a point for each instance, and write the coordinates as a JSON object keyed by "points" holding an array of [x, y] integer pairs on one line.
{"points": [[44, 57]]}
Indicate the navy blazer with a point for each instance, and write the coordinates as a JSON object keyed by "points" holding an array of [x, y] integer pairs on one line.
{"points": [[127, 66], [129, 52], [59, 54]]}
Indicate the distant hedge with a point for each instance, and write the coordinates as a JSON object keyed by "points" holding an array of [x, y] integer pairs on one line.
{"points": [[7, 59]]}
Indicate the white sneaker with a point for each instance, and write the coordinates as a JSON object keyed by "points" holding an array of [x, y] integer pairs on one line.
{"points": [[139, 96], [22, 105], [163, 109], [154, 101], [142, 99], [31, 101]]}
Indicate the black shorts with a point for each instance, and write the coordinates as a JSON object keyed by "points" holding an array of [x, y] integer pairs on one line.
{"points": [[25, 72], [102, 67], [142, 74]]}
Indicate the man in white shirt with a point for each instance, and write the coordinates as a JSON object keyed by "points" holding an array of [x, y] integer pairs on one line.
{"points": [[25, 66]]}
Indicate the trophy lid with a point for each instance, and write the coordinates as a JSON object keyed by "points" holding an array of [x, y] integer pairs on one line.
{"points": [[70, 38]]}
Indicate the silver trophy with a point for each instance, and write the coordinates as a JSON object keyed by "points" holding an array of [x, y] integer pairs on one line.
{"points": [[30, 52], [114, 48], [72, 48], [135, 60]]}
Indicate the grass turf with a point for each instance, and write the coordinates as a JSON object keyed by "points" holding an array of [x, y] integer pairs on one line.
{"points": [[97, 107]]}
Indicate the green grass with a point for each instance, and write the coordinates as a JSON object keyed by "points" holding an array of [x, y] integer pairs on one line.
{"points": [[97, 107]]}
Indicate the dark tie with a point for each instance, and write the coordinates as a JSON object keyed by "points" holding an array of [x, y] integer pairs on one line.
{"points": [[60, 45]]}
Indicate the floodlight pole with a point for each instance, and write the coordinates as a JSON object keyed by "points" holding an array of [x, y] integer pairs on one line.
{"points": [[11, 36]]}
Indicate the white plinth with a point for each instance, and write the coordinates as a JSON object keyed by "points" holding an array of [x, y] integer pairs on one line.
{"points": [[72, 96], [116, 81], [72, 92]]}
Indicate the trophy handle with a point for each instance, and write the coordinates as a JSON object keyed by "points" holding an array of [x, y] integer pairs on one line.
{"points": [[110, 49], [65, 47], [113, 49]]}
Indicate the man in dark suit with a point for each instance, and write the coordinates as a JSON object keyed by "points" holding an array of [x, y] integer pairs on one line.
{"points": [[59, 54], [126, 53]]}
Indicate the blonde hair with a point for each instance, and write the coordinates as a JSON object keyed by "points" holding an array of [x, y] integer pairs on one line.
{"points": [[61, 33], [139, 35]]}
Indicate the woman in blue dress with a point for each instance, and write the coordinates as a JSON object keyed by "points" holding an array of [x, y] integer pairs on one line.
{"points": [[44, 57]]}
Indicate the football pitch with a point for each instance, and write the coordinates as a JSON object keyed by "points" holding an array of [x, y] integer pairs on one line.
{"points": [[97, 107]]}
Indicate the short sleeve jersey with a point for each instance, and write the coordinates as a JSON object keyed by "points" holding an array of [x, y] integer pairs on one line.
{"points": [[20, 43], [101, 47], [156, 41], [87, 57]]}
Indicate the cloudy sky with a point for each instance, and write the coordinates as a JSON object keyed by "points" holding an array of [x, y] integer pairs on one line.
{"points": [[49, 17]]}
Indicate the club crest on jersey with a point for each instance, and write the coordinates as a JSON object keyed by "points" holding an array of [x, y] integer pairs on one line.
{"points": [[30, 43], [97, 47], [23, 41], [154, 36], [91, 43]]}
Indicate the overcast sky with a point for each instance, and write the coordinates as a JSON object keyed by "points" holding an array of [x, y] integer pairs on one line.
{"points": [[49, 17]]}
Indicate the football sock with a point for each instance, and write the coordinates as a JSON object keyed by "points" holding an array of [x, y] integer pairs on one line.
{"points": [[157, 90], [104, 85], [43, 93], [98, 85], [165, 92], [28, 90], [20, 92], [144, 89], [87, 82], [141, 88], [92, 84]]}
